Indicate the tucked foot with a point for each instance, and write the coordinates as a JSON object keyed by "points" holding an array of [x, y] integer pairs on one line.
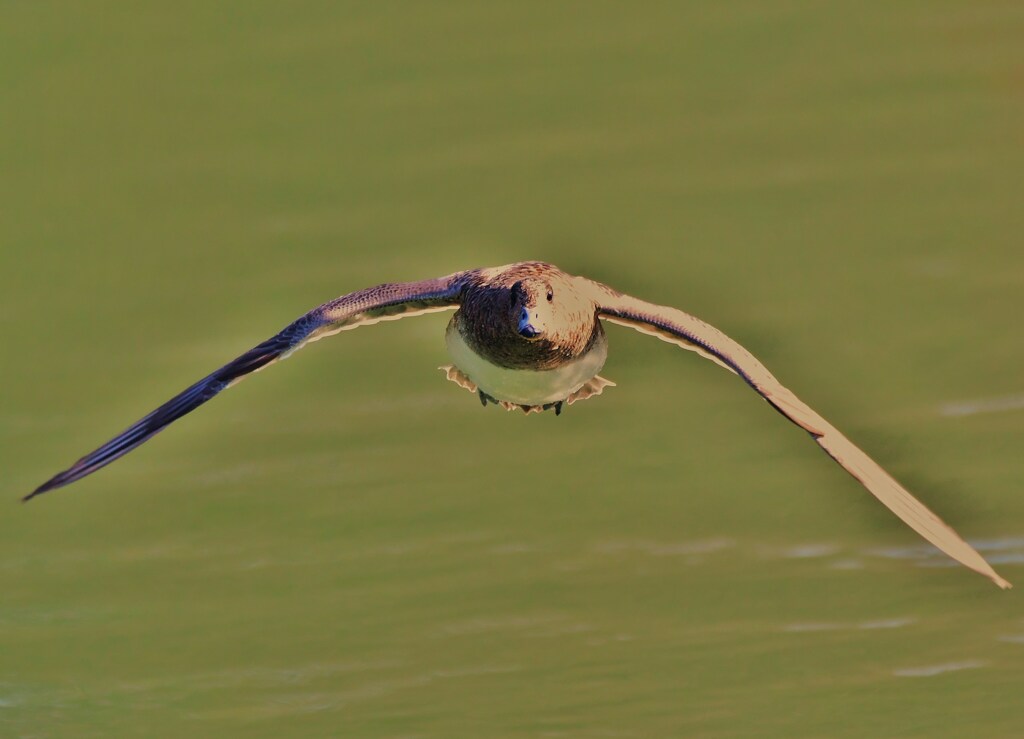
{"points": [[485, 398], [593, 386]]}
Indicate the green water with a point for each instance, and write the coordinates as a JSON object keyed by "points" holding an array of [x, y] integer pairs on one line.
{"points": [[347, 545]]}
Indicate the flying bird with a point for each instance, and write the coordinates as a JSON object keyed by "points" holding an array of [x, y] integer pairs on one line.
{"points": [[529, 336]]}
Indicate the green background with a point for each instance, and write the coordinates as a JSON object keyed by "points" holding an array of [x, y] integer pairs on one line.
{"points": [[348, 545]]}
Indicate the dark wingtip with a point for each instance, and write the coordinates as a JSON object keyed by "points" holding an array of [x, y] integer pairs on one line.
{"points": [[184, 402], [54, 482]]}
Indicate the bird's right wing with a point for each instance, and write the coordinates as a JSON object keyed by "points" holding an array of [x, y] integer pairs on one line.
{"points": [[382, 303]]}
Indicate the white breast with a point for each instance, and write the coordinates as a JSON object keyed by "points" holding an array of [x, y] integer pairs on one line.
{"points": [[523, 386]]}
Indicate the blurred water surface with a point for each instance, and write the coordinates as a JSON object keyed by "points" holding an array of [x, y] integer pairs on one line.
{"points": [[348, 545]]}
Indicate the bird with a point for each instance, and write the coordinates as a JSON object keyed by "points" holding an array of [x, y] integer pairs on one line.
{"points": [[528, 336]]}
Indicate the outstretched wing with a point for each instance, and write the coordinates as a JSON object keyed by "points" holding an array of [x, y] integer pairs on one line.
{"points": [[382, 303], [680, 328]]}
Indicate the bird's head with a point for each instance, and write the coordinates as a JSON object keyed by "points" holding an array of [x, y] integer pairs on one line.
{"points": [[532, 308], [528, 315]]}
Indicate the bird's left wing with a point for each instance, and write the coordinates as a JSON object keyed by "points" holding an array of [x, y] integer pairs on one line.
{"points": [[677, 327], [382, 303]]}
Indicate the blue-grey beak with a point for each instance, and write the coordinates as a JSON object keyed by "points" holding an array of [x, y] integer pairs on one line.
{"points": [[526, 329]]}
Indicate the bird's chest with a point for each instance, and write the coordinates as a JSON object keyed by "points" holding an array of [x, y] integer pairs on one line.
{"points": [[524, 386]]}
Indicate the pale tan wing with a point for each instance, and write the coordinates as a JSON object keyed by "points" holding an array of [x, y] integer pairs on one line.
{"points": [[382, 303], [680, 328]]}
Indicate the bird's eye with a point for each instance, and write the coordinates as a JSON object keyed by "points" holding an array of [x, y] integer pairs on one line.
{"points": [[516, 291], [551, 294]]}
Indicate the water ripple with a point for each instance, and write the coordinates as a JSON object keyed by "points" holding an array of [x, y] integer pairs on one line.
{"points": [[941, 669], [983, 405], [881, 623]]}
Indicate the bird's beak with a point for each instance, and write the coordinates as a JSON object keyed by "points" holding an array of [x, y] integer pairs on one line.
{"points": [[526, 329]]}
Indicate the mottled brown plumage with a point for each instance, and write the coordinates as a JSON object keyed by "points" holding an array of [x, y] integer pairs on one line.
{"points": [[487, 317]]}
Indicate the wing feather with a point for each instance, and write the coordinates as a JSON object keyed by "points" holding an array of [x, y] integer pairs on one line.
{"points": [[691, 333], [386, 302]]}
